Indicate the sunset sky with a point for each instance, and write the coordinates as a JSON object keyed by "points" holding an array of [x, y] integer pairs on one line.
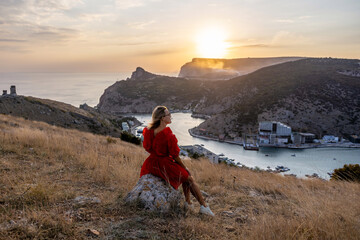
{"points": [[162, 35]]}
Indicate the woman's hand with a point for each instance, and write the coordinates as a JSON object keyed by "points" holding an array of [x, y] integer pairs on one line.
{"points": [[179, 161]]}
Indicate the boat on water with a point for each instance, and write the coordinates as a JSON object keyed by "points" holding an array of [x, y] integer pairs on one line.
{"points": [[293, 155], [282, 168], [251, 146]]}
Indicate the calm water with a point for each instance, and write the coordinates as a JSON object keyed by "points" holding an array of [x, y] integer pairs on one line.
{"points": [[306, 161], [79, 88], [72, 88]]}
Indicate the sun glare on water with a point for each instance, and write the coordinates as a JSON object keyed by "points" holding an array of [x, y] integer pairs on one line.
{"points": [[211, 43]]}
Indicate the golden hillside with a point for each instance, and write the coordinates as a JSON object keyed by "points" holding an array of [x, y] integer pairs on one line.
{"points": [[44, 168]]}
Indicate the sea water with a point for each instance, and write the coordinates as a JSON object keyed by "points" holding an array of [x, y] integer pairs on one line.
{"points": [[72, 88], [79, 88], [300, 161]]}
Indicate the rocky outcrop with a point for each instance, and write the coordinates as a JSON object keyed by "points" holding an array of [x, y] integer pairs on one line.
{"points": [[144, 90], [85, 118], [223, 69], [141, 74], [154, 194]]}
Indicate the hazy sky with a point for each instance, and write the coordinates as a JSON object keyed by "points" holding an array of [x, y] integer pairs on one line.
{"points": [[161, 35]]}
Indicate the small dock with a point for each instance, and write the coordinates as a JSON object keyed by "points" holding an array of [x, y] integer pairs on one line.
{"points": [[250, 142]]}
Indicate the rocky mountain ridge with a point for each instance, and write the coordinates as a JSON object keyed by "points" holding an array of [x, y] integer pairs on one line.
{"points": [[309, 95]]}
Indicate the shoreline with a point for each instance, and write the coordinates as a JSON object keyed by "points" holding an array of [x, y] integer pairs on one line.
{"points": [[304, 146], [213, 139]]}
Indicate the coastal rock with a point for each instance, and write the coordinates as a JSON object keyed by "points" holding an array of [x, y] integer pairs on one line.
{"points": [[141, 74], [210, 69], [154, 194], [144, 90]]}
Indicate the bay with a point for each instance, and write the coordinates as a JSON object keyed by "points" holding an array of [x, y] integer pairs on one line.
{"points": [[305, 161]]}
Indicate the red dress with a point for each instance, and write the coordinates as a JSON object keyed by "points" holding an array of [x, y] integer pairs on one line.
{"points": [[163, 149]]}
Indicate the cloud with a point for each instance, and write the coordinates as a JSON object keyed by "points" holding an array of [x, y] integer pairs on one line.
{"points": [[126, 4], [292, 20], [54, 5], [246, 43], [97, 17], [13, 49], [305, 17], [41, 33], [135, 43], [141, 25], [158, 52], [11, 40], [33, 19], [259, 45], [285, 38], [284, 21]]}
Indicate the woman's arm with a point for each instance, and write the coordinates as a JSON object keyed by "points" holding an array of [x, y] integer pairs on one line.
{"points": [[180, 162]]}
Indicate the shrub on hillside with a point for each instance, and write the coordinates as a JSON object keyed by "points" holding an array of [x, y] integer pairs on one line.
{"points": [[349, 172], [196, 155], [128, 137]]}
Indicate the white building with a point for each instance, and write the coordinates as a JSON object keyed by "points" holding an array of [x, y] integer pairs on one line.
{"points": [[330, 139], [302, 138], [273, 132], [125, 126]]}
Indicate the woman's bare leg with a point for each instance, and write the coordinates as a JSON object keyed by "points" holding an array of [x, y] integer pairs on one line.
{"points": [[195, 190], [186, 189]]}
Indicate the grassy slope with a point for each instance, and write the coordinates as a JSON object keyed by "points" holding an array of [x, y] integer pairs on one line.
{"points": [[62, 114], [300, 77], [43, 168], [162, 88]]}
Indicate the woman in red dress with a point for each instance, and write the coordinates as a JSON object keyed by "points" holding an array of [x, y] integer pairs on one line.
{"points": [[164, 160]]}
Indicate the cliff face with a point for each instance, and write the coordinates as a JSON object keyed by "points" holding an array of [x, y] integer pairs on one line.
{"points": [[309, 95], [223, 69]]}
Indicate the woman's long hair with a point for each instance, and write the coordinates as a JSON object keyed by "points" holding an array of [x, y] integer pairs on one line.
{"points": [[157, 114]]}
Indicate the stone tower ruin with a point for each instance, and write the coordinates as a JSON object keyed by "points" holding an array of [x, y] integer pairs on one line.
{"points": [[13, 90]]}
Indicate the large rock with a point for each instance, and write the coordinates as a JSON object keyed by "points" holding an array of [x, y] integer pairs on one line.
{"points": [[154, 194]]}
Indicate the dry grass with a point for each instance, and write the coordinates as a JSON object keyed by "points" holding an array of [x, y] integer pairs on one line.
{"points": [[43, 168]]}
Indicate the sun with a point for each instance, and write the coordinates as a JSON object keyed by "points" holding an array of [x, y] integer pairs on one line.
{"points": [[211, 43]]}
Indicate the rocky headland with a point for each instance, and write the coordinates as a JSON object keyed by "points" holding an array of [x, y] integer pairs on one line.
{"points": [[310, 95], [210, 69]]}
